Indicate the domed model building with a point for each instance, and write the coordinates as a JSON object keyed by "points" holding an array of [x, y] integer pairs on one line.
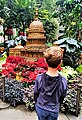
{"points": [[36, 40], [36, 31]]}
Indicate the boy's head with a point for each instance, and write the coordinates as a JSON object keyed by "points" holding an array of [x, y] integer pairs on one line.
{"points": [[53, 56]]}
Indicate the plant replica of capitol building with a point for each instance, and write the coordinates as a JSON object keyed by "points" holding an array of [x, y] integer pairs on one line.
{"points": [[35, 44]]}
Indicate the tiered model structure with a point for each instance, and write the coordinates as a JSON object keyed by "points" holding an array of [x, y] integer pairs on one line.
{"points": [[35, 44]]}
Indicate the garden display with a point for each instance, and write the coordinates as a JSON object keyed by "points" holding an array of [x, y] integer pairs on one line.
{"points": [[21, 90], [74, 80], [64, 30], [72, 51], [69, 103], [14, 92], [29, 97], [20, 79]]}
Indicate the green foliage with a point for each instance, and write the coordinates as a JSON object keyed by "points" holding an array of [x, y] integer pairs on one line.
{"points": [[50, 24], [1, 44], [22, 3], [43, 14], [70, 44], [49, 28], [48, 5], [2, 60], [16, 13], [19, 14], [68, 72], [71, 51], [49, 44], [70, 16], [79, 68]]}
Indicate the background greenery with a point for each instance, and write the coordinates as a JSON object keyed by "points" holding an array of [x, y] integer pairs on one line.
{"points": [[20, 13]]}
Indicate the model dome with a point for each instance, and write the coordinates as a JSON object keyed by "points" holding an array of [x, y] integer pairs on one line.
{"points": [[36, 29], [36, 26]]}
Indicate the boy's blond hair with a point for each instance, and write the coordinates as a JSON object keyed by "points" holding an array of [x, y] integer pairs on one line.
{"points": [[53, 56]]}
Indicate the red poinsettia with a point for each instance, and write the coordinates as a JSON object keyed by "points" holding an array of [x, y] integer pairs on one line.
{"points": [[41, 63], [16, 60], [9, 65], [25, 80], [29, 70], [8, 72]]}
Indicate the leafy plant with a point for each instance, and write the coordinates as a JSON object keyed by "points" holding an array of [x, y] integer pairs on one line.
{"points": [[69, 103], [70, 14], [79, 68], [14, 92], [50, 28], [70, 44], [29, 97], [21, 39], [68, 72], [71, 51], [3, 58], [2, 44], [51, 24], [18, 40]]}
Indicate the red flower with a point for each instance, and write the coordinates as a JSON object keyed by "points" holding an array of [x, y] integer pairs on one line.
{"points": [[41, 63], [5, 72], [29, 70], [32, 76], [59, 68], [21, 33], [25, 80]]}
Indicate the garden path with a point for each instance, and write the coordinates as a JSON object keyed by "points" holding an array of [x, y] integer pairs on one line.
{"points": [[21, 113]]}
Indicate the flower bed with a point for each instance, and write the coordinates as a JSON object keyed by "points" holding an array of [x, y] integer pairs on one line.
{"points": [[17, 66], [28, 70]]}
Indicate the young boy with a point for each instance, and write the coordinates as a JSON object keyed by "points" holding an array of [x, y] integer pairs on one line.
{"points": [[50, 87]]}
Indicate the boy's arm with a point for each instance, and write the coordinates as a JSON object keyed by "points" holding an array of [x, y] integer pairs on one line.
{"points": [[36, 96], [61, 99], [36, 88], [64, 90]]}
